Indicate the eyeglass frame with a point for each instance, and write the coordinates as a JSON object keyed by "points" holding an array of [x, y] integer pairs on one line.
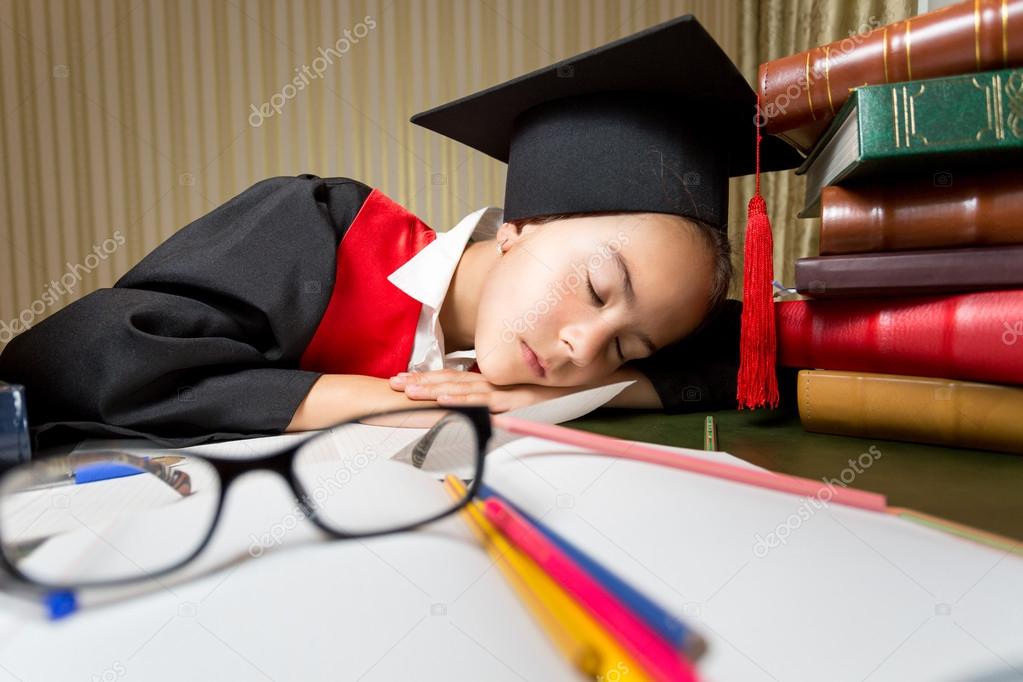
{"points": [[280, 462]]}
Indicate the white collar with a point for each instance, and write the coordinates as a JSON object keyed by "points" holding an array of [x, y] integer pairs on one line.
{"points": [[427, 275]]}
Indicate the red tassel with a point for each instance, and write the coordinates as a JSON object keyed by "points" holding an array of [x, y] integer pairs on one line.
{"points": [[757, 381]]}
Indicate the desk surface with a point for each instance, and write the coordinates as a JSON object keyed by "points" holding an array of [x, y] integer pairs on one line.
{"points": [[975, 487]]}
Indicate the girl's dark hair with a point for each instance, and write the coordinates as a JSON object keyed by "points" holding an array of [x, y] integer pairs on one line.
{"points": [[716, 240]]}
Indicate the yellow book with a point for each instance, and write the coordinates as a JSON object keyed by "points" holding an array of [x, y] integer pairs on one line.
{"points": [[917, 409]]}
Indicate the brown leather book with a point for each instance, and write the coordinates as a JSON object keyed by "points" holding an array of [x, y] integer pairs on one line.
{"points": [[906, 273], [943, 211], [806, 89], [916, 409]]}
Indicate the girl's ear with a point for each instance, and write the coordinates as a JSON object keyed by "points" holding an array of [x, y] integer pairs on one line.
{"points": [[512, 233]]}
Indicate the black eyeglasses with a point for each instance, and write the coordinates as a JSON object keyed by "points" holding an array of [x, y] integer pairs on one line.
{"points": [[112, 517]]}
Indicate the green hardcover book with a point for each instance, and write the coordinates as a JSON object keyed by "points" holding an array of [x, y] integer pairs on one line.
{"points": [[920, 128]]}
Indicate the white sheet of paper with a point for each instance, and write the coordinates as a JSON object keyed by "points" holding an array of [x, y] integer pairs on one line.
{"points": [[848, 594], [554, 411]]}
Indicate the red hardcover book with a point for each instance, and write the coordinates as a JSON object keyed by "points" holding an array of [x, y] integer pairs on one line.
{"points": [[975, 336]]}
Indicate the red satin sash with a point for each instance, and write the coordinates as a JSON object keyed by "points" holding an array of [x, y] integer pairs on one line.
{"points": [[369, 326]]}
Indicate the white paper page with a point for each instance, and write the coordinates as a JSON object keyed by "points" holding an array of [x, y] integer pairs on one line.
{"points": [[554, 411], [140, 540], [844, 595], [563, 409], [427, 605], [34, 514], [122, 526]]}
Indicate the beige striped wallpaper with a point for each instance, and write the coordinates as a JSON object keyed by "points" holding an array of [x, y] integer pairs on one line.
{"points": [[123, 120]]}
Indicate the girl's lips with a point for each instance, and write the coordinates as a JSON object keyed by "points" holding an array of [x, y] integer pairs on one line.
{"points": [[532, 360]]}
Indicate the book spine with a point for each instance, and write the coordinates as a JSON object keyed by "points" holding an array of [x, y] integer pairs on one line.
{"points": [[975, 115], [946, 210], [916, 409], [809, 87], [973, 336], [911, 272]]}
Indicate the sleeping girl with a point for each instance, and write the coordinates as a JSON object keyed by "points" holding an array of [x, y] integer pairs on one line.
{"points": [[305, 301]]}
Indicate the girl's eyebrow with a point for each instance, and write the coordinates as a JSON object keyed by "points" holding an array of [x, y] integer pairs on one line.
{"points": [[630, 296]]}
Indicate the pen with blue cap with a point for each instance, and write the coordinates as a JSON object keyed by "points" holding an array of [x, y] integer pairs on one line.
{"points": [[93, 467]]}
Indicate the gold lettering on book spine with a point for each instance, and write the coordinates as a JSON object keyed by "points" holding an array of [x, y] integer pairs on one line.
{"points": [[912, 117], [895, 116], [993, 107], [827, 77], [1014, 92], [1000, 125], [1003, 111], [976, 31], [1005, 32], [905, 114], [909, 64], [809, 101], [905, 133]]}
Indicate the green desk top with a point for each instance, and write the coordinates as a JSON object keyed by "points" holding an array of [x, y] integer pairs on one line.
{"points": [[979, 488]]}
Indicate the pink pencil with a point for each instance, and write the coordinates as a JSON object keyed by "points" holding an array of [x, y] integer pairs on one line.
{"points": [[649, 650], [606, 445]]}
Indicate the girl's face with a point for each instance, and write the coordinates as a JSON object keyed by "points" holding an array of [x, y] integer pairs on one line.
{"points": [[539, 322]]}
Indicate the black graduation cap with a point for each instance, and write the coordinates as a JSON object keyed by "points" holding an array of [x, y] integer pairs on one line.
{"points": [[656, 121], [653, 122]]}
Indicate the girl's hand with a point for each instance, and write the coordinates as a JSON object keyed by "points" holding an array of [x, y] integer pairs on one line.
{"points": [[452, 387]]}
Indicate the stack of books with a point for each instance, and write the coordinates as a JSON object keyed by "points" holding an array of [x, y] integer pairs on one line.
{"points": [[914, 315]]}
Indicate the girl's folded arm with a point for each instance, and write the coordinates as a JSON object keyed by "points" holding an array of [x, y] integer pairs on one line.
{"points": [[336, 398]]}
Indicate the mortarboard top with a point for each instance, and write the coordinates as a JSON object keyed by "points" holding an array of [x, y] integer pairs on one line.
{"points": [[655, 122]]}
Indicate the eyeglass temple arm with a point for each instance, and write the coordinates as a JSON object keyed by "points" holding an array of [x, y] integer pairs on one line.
{"points": [[422, 447]]}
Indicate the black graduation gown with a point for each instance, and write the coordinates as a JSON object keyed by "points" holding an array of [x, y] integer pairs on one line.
{"points": [[202, 339]]}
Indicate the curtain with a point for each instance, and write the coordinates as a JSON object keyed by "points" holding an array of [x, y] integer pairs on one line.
{"points": [[124, 120]]}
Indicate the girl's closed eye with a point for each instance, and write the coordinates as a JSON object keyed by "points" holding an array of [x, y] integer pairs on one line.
{"points": [[598, 301]]}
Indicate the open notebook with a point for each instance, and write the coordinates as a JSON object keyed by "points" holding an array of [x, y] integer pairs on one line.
{"points": [[780, 589]]}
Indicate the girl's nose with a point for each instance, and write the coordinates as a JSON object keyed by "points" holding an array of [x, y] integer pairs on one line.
{"points": [[585, 341]]}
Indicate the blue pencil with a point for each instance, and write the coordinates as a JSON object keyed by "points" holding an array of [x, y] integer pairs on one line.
{"points": [[660, 621]]}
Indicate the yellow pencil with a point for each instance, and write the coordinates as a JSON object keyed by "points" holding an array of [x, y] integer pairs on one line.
{"points": [[580, 638]]}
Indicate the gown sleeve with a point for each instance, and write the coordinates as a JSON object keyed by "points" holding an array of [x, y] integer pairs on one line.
{"points": [[699, 372], [202, 339]]}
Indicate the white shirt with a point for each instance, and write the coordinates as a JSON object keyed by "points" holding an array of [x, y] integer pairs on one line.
{"points": [[426, 277]]}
